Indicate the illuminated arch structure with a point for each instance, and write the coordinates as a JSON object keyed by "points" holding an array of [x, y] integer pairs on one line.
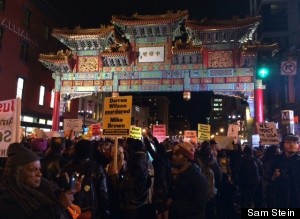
{"points": [[163, 53]]}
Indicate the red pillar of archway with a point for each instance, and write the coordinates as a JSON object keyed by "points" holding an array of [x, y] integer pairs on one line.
{"points": [[56, 107], [55, 114], [259, 101]]}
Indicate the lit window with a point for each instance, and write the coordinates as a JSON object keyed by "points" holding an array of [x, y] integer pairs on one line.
{"points": [[52, 99], [49, 122], [20, 85], [42, 121], [27, 119], [42, 95]]}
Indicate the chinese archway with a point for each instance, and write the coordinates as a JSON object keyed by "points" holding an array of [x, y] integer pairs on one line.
{"points": [[163, 53]]}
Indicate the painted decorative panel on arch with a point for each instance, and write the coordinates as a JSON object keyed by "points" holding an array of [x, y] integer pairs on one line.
{"points": [[220, 59], [88, 63]]}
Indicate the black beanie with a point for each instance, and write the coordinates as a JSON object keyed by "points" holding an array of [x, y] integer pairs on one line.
{"points": [[17, 155]]}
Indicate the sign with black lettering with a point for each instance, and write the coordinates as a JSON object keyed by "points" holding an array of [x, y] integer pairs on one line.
{"points": [[190, 136], [159, 131], [117, 116], [73, 125], [135, 132], [267, 133], [203, 132]]}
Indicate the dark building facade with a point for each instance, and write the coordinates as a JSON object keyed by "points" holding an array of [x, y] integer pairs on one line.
{"points": [[25, 32], [280, 24]]}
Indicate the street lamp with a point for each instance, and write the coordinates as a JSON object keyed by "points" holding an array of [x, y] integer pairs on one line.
{"points": [[84, 115]]}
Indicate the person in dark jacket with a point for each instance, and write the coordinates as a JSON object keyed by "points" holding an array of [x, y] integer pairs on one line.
{"points": [[189, 195], [286, 174], [162, 174], [134, 187], [93, 198], [211, 170], [25, 193], [249, 178], [268, 162]]}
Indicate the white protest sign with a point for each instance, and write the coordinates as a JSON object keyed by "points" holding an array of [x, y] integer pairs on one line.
{"points": [[267, 133], [73, 124], [10, 111]]}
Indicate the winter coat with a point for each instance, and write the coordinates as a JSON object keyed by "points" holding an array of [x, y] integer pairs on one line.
{"points": [[287, 185], [189, 195], [250, 172], [134, 187], [10, 208]]}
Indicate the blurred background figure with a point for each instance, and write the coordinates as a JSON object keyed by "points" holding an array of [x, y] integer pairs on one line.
{"points": [[53, 162]]}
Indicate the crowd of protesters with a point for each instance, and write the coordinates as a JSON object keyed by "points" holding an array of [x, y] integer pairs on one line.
{"points": [[132, 178]]}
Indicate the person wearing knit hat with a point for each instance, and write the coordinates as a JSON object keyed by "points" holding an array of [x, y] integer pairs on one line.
{"points": [[25, 193], [185, 148], [17, 155], [189, 195], [285, 173]]}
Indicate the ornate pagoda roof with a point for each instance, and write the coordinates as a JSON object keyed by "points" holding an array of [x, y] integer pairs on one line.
{"points": [[79, 33], [221, 25], [185, 48], [208, 32], [142, 20], [80, 38], [261, 47], [60, 62]]}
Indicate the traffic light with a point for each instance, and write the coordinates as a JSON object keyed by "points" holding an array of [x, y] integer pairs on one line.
{"points": [[262, 72]]}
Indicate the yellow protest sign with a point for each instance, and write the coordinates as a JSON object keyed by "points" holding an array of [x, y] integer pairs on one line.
{"points": [[203, 132], [135, 132], [117, 116]]}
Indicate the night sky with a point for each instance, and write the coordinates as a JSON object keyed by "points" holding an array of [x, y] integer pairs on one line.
{"points": [[89, 14]]}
